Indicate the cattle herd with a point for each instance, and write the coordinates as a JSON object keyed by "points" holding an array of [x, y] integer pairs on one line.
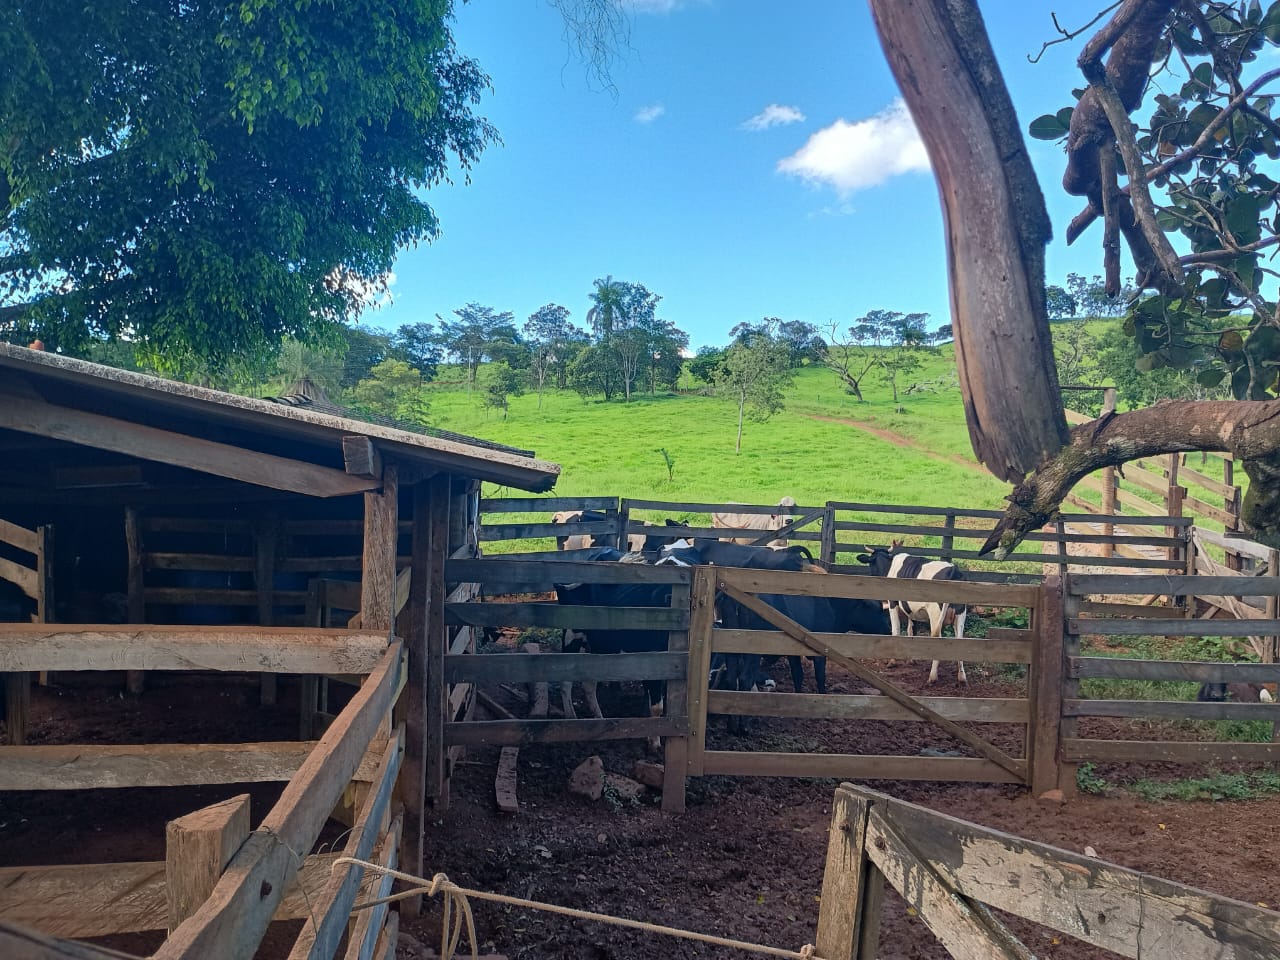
{"points": [[741, 671]]}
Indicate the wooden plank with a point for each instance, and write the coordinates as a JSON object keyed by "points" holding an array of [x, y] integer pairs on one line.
{"points": [[319, 939], [360, 457], [1098, 584], [197, 848], [212, 597], [769, 615], [532, 531], [20, 537], [40, 646], [103, 899], [675, 750], [672, 506], [1248, 548], [914, 510], [266, 536], [499, 571], [1144, 507], [24, 578], [1149, 480], [135, 680], [378, 575], [880, 588], [231, 923], [1171, 628], [743, 763], [1208, 482], [413, 777], [546, 504], [197, 561], [1045, 687], [564, 667], [1076, 560], [1097, 609], [1115, 668], [553, 615], [97, 766], [861, 707], [104, 432], [965, 931], [964, 533], [436, 639], [1209, 510], [1144, 751], [1172, 709], [875, 647], [842, 913], [504, 784], [17, 707]]}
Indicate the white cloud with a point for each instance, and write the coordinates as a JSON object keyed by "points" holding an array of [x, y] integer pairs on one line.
{"points": [[649, 6], [854, 156], [774, 115], [650, 113]]}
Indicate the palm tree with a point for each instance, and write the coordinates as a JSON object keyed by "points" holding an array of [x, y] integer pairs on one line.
{"points": [[609, 308]]}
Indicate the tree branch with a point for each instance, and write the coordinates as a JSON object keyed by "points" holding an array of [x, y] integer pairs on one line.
{"points": [[1249, 430]]}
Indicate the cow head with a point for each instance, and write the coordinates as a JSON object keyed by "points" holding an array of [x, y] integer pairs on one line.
{"points": [[878, 559]]}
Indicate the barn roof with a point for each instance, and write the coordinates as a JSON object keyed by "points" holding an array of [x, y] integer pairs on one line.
{"points": [[232, 436]]}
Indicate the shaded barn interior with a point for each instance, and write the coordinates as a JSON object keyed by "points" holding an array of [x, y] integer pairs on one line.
{"points": [[156, 536]]}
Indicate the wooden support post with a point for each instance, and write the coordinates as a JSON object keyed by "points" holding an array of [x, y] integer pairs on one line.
{"points": [[1061, 529], [1068, 727], [435, 642], [828, 547], [852, 886], [135, 680], [675, 757], [458, 492], [198, 848], [265, 535], [378, 577], [702, 616], [537, 691], [424, 710], [45, 603], [947, 540], [624, 517], [1045, 687]]}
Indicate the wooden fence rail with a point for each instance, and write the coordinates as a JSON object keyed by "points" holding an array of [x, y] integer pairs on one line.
{"points": [[952, 873]]}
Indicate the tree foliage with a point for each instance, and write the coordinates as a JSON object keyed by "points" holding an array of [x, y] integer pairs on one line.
{"points": [[754, 372], [207, 178]]}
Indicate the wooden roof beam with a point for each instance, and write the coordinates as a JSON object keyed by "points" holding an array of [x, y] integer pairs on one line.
{"points": [[41, 418]]}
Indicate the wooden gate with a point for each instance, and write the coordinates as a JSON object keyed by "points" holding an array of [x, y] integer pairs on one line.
{"points": [[1037, 765], [33, 576]]}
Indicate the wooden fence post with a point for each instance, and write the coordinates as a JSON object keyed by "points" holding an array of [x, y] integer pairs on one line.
{"points": [[266, 533], [675, 757], [852, 886], [702, 615], [197, 849], [624, 517], [947, 539], [1108, 479], [1060, 529], [828, 548], [435, 640], [1045, 687]]}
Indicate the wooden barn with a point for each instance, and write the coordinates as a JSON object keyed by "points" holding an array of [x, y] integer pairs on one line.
{"points": [[161, 533]]}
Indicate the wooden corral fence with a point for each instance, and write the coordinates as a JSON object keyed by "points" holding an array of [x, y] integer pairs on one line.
{"points": [[504, 576], [991, 763], [954, 873], [1243, 558], [1127, 619], [836, 531], [27, 566]]}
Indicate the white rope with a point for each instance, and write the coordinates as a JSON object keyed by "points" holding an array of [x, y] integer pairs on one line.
{"points": [[455, 897]]}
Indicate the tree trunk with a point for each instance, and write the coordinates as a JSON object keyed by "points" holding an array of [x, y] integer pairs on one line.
{"points": [[742, 403], [996, 224]]}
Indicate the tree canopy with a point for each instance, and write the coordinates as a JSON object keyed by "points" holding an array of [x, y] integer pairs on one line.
{"points": [[207, 178]]}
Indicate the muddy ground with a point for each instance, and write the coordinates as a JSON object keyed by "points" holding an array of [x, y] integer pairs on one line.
{"points": [[744, 861]]}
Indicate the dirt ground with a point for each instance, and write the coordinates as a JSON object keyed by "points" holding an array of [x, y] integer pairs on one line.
{"points": [[744, 861]]}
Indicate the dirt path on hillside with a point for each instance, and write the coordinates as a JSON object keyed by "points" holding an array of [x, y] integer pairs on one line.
{"points": [[898, 440]]}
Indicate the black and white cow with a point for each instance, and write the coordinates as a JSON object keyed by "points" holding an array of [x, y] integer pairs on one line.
{"points": [[895, 563]]}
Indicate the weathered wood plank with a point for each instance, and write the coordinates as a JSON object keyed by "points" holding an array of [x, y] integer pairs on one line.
{"points": [[702, 603], [515, 733], [102, 766], [101, 899], [553, 615], [1172, 628], [231, 923], [874, 647], [546, 504], [367, 924], [672, 506], [1171, 709], [24, 578], [564, 667], [41, 646], [879, 588], [1144, 585], [378, 573], [853, 766], [361, 458], [861, 707], [531, 531], [1116, 668], [842, 913], [1081, 560], [20, 537], [499, 571], [1045, 687], [965, 533]]}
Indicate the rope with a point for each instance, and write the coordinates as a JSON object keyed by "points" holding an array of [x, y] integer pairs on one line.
{"points": [[456, 898]]}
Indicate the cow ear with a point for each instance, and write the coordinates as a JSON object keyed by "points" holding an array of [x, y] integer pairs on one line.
{"points": [[865, 559]]}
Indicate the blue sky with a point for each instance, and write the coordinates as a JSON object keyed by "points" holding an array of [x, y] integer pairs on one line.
{"points": [[752, 160]]}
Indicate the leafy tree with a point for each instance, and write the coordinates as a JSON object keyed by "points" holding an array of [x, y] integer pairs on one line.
{"points": [[1059, 304], [207, 178], [904, 340], [803, 340], [479, 332], [754, 374], [594, 372], [503, 384], [705, 363], [1075, 350], [665, 358], [420, 345], [393, 389], [607, 307], [545, 331], [624, 319], [852, 354], [364, 350]]}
